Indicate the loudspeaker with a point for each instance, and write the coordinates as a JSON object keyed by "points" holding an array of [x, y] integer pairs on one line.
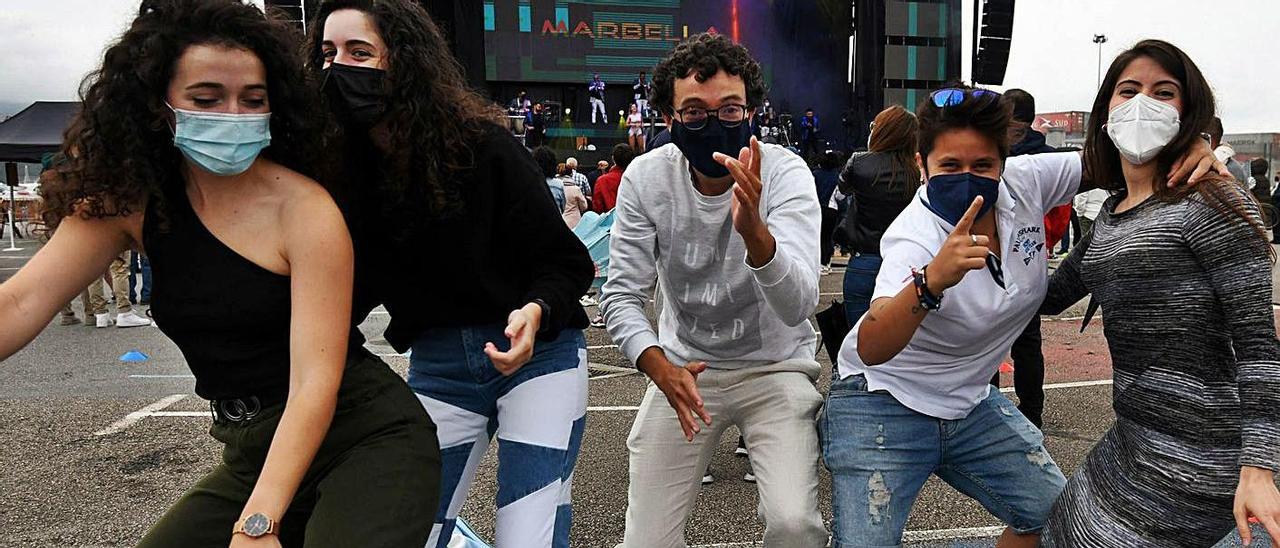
{"points": [[462, 22], [297, 12], [992, 37]]}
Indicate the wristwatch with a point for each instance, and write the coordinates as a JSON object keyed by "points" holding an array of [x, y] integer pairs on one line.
{"points": [[255, 525], [544, 325]]}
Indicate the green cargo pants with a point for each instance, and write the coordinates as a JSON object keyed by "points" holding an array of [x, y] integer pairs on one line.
{"points": [[374, 482]]}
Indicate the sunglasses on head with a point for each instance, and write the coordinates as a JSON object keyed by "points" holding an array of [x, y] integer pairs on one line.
{"points": [[949, 97]]}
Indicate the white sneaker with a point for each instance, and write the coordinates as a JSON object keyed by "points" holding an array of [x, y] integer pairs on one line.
{"points": [[826, 269], [586, 301], [749, 478], [708, 479], [740, 451], [104, 320], [131, 319]]}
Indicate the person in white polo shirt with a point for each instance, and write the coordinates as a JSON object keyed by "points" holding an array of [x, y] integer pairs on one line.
{"points": [[965, 268]]}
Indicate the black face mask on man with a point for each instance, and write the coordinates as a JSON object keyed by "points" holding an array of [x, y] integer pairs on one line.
{"points": [[698, 145], [357, 95]]}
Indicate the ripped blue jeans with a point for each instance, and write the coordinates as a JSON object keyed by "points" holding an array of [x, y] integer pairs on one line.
{"points": [[880, 453]]}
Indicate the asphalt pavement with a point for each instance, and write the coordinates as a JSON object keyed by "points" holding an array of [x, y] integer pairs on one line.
{"points": [[95, 449]]}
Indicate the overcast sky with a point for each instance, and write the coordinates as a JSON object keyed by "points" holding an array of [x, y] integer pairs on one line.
{"points": [[49, 45]]}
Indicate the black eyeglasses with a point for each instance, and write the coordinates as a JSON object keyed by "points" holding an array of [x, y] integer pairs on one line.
{"points": [[730, 115], [950, 97]]}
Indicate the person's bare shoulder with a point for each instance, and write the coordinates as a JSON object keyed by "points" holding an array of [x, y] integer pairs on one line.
{"points": [[296, 194]]}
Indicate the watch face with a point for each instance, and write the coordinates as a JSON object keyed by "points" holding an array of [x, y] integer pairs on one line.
{"points": [[256, 525]]}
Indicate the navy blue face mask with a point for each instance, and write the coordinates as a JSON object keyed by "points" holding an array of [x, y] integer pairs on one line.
{"points": [[951, 194], [699, 144]]}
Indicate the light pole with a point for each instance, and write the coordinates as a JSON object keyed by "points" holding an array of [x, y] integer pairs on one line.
{"points": [[1099, 39]]}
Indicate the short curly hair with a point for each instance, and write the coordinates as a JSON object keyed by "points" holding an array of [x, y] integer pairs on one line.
{"points": [[705, 54]]}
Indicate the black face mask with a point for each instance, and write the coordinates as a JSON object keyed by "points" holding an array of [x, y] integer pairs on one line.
{"points": [[698, 145], [356, 95]]}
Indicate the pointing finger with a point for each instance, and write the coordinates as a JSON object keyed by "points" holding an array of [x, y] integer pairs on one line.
{"points": [[966, 222]]}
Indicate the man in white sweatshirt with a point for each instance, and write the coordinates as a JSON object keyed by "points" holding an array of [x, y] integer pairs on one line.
{"points": [[731, 235]]}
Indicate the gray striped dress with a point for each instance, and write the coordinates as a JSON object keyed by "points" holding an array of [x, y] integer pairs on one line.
{"points": [[1186, 298]]}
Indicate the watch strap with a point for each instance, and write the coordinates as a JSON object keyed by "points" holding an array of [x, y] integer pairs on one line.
{"points": [[238, 528], [543, 325]]}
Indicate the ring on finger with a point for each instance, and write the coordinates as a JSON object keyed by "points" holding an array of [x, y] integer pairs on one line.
{"points": [[973, 240]]}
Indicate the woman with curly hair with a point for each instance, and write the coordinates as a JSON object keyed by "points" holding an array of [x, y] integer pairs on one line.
{"points": [[456, 233], [195, 142]]}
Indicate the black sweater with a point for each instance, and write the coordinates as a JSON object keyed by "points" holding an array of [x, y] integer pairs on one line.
{"points": [[508, 247]]}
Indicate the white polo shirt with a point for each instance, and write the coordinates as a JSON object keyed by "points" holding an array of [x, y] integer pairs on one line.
{"points": [[945, 370]]}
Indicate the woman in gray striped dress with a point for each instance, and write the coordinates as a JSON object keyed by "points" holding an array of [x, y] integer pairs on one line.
{"points": [[1184, 279]]}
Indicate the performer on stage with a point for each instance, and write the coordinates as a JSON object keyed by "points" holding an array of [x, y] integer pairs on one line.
{"points": [[640, 94], [809, 129], [520, 104], [595, 88]]}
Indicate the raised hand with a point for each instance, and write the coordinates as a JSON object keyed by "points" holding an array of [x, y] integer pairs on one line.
{"points": [[962, 252], [747, 192]]}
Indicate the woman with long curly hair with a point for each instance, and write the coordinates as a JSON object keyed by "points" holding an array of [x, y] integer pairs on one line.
{"points": [[1184, 279], [195, 142], [456, 233]]}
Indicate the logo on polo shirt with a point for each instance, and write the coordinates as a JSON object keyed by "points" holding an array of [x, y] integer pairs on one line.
{"points": [[1029, 241]]}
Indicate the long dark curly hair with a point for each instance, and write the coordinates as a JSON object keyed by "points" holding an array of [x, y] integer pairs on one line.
{"points": [[118, 152], [434, 118]]}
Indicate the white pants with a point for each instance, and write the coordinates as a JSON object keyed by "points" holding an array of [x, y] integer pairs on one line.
{"points": [[642, 105], [597, 104], [776, 408]]}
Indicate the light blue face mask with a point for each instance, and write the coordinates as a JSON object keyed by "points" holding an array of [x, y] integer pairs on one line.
{"points": [[222, 144]]}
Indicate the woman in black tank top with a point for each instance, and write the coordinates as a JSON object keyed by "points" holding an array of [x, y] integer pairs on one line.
{"points": [[172, 153]]}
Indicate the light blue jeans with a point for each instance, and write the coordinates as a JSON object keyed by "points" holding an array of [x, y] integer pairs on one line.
{"points": [[880, 453]]}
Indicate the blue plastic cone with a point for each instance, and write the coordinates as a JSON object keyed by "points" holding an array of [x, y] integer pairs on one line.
{"points": [[134, 356]]}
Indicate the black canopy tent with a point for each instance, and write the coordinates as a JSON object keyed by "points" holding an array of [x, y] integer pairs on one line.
{"points": [[32, 133]]}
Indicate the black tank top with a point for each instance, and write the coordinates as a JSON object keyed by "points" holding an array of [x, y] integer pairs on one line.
{"points": [[228, 316]]}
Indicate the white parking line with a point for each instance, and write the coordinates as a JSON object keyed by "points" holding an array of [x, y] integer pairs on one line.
{"points": [[907, 536], [157, 410], [1077, 384], [951, 534], [614, 375], [140, 414]]}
